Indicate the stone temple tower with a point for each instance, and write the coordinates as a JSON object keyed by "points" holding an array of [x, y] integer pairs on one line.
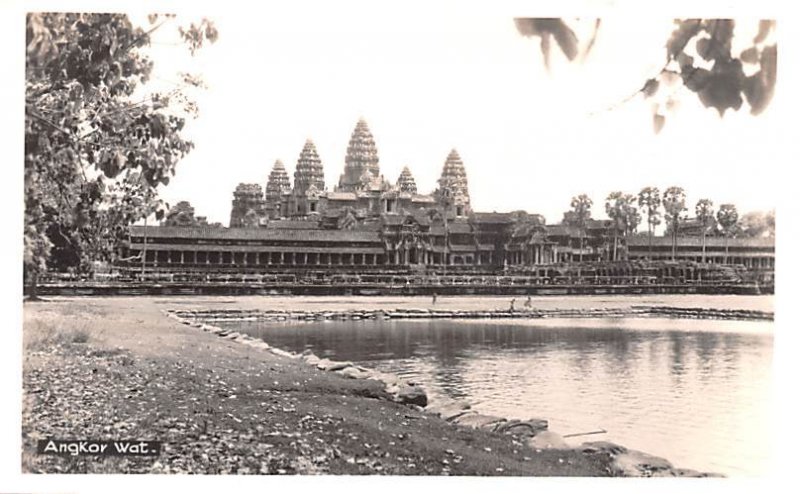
{"points": [[309, 182], [361, 168], [406, 182], [453, 191], [277, 184], [248, 208], [308, 171]]}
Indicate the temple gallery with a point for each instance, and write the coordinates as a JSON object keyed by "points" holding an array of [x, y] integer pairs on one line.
{"points": [[370, 224]]}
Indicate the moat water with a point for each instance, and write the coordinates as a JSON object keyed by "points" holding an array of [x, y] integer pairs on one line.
{"points": [[696, 392]]}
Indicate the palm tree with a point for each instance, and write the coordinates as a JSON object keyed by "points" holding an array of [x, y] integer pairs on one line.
{"points": [[674, 201], [615, 209], [582, 210], [704, 210], [650, 202], [727, 217], [631, 215], [771, 223]]}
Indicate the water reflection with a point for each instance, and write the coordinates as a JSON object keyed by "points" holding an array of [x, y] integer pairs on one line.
{"points": [[680, 389]]}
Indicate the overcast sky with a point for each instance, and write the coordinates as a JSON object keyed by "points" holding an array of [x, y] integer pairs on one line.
{"points": [[530, 139]]}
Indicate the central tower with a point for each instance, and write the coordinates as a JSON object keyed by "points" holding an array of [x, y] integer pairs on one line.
{"points": [[453, 191], [361, 163]]}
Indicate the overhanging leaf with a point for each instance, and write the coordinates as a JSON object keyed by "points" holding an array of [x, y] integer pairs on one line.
{"points": [[764, 27], [566, 39], [650, 88], [658, 122], [749, 55], [695, 78], [721, 93], [704, 48], [686, 29], [759, 88], [546, 28]]}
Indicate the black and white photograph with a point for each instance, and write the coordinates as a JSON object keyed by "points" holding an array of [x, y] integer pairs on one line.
{"points": [[262, 243]]}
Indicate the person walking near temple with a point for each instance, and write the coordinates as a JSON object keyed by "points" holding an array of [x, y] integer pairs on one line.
{"points": [[511, 309], [434, 298], [528, 303]]}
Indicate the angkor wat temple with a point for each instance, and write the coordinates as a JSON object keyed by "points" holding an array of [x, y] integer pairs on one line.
{"points": [[368, 223], [362, 194]]}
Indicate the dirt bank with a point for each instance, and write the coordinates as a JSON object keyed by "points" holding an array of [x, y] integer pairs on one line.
{"points": [[108, 369], [118, 368]]}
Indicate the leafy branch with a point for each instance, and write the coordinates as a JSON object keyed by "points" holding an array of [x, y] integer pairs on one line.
{"points": [[724, 86]]}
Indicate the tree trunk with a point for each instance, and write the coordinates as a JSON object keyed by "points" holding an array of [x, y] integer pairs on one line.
{"points": [[703, 256], [33, 287], [674, 236], [144, 247], [726, 250], [625, 237], [649, 240], [614, 255]]}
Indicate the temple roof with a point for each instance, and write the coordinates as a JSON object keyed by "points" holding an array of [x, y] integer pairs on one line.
{"points": [[452, 227], [400, 218], [593, 223], [293, 225], [312, 233], [421, 198], [371, 248], [562, 230], [462, 248], [642, 240], [341, 196], [393, 219], [491, 217]]}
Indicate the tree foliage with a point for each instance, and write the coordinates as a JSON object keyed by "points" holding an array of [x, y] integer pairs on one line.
{"points": [[581, 213], [699, 55], [182, 214], [621, 208], [700, 51], [631, 214], [548, 29], [649, 199], [704, 212], [727, 218], [582, 210], [757, 224], [674, 202], [615, 209], [95, 148]]}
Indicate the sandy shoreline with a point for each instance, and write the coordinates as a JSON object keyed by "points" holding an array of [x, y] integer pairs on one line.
{"points": [[224, 407], [314, 303]]}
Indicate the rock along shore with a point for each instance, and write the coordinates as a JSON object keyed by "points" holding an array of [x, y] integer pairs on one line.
{"points": [[116, 368], [533, 432], [212, 315]]}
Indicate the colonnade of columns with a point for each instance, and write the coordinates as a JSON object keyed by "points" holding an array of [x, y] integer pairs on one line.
{"points": [[224, 258], [537, 255]]}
